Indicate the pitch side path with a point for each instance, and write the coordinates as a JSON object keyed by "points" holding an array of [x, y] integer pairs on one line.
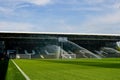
{"points": [[77, 69]]}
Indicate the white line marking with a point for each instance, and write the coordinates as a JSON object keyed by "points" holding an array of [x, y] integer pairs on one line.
{"points": [[23, 73]]}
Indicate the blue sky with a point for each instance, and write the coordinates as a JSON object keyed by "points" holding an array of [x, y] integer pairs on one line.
{"points": [[69, 16]]}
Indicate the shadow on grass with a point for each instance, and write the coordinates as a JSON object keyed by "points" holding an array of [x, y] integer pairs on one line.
{"points": [[90, 63], [3, 68]]}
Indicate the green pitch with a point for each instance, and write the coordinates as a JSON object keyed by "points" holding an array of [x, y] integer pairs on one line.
{"points": [[13, 73], [77, 69]]}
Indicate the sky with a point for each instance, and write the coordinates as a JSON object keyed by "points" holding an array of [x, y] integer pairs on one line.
{"points": [[66, 16]]}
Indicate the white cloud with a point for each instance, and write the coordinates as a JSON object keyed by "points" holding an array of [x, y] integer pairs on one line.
{"points": [[107, 23], [94, 1], [2, 9], [35, 2], [110, 18], [109, 15], [15, 26], [39, 2], [5, 10], [11, 5], [85, 9], [116, 5], [106, 5]]}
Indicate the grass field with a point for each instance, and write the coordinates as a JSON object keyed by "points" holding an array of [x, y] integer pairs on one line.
{"points": [[13, 73], [77, 69]]}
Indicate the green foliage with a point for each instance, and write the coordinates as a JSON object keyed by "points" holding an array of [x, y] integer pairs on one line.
{"points": [[76, 69]]}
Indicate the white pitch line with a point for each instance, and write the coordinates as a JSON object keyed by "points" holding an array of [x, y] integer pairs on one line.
{"points": [[26, 77]]}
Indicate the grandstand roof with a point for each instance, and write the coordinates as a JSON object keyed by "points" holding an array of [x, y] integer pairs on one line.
{"points": [[60, 33]]}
